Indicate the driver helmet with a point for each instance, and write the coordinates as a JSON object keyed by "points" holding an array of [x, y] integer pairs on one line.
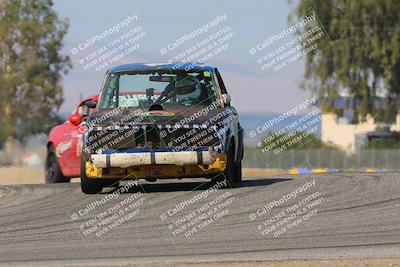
{"points": [[188, 88]]}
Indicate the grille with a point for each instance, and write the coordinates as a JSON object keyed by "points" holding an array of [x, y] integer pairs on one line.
{"points": [[152, 137], [115, 139], [189, 138]]}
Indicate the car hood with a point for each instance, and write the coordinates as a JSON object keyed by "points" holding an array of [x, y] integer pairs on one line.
{"points": [[192, 115]]}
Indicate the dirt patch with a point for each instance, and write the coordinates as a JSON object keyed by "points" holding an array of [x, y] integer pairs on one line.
{"points": [[21, 175]]}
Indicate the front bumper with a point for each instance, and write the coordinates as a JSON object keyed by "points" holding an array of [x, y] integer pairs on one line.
{"points": [[183, 164], [124, 160]]}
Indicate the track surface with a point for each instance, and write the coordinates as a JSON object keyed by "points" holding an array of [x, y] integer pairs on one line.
{"points": [[359, 216]]}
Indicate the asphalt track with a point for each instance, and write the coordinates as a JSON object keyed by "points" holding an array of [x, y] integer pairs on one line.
{"points": [[358, 217]]}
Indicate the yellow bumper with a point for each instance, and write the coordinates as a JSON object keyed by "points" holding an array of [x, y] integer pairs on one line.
{"points": [[157, 171]]}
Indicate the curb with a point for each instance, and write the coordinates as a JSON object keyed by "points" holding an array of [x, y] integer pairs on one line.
{"points": [[295, 171]]}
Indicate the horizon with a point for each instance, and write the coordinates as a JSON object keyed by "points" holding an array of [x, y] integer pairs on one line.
{"points": [[259, 92]]}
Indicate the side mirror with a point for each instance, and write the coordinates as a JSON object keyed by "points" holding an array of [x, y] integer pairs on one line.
{"points": [[150, 93], [75, 119], [90, 103], [226, 99]]}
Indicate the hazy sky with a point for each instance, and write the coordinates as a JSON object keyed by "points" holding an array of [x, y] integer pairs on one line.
{"points": [[252, 89]]}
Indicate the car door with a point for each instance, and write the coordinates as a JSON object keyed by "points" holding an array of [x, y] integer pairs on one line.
{"points": [[71, 145]]}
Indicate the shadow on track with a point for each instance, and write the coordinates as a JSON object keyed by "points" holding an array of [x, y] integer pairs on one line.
{"points": [[203, 184]]}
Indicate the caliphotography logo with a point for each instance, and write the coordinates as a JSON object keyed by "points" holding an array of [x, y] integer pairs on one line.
{"points": [[235, 133]]}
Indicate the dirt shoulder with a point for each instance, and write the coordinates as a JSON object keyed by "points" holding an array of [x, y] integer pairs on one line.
{"points": [[21, 175]]}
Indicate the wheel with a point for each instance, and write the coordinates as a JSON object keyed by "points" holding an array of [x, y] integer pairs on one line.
{"points": [[238, 172], [53, 172], [88, 185], [110, 182], [229, 172]]}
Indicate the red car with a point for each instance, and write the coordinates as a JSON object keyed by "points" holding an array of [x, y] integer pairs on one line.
{"points": [[64, 145]]}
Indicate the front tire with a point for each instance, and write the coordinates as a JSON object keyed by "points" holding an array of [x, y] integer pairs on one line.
{"points": [[238, 172], [229, 172], [88, 185], [53, 172]]}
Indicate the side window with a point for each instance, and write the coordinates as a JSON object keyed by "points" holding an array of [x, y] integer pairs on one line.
{"points": [[84, 111], [220, 82]]}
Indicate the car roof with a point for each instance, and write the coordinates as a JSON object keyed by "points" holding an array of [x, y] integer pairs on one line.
{"points": [[158, 66], [93, 97]]}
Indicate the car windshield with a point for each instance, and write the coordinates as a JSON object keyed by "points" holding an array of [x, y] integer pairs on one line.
{"points": [[138, 89]]}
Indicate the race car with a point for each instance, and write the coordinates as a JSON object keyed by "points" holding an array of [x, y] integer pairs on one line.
{"points": [[64, 145], [161, 121]]}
